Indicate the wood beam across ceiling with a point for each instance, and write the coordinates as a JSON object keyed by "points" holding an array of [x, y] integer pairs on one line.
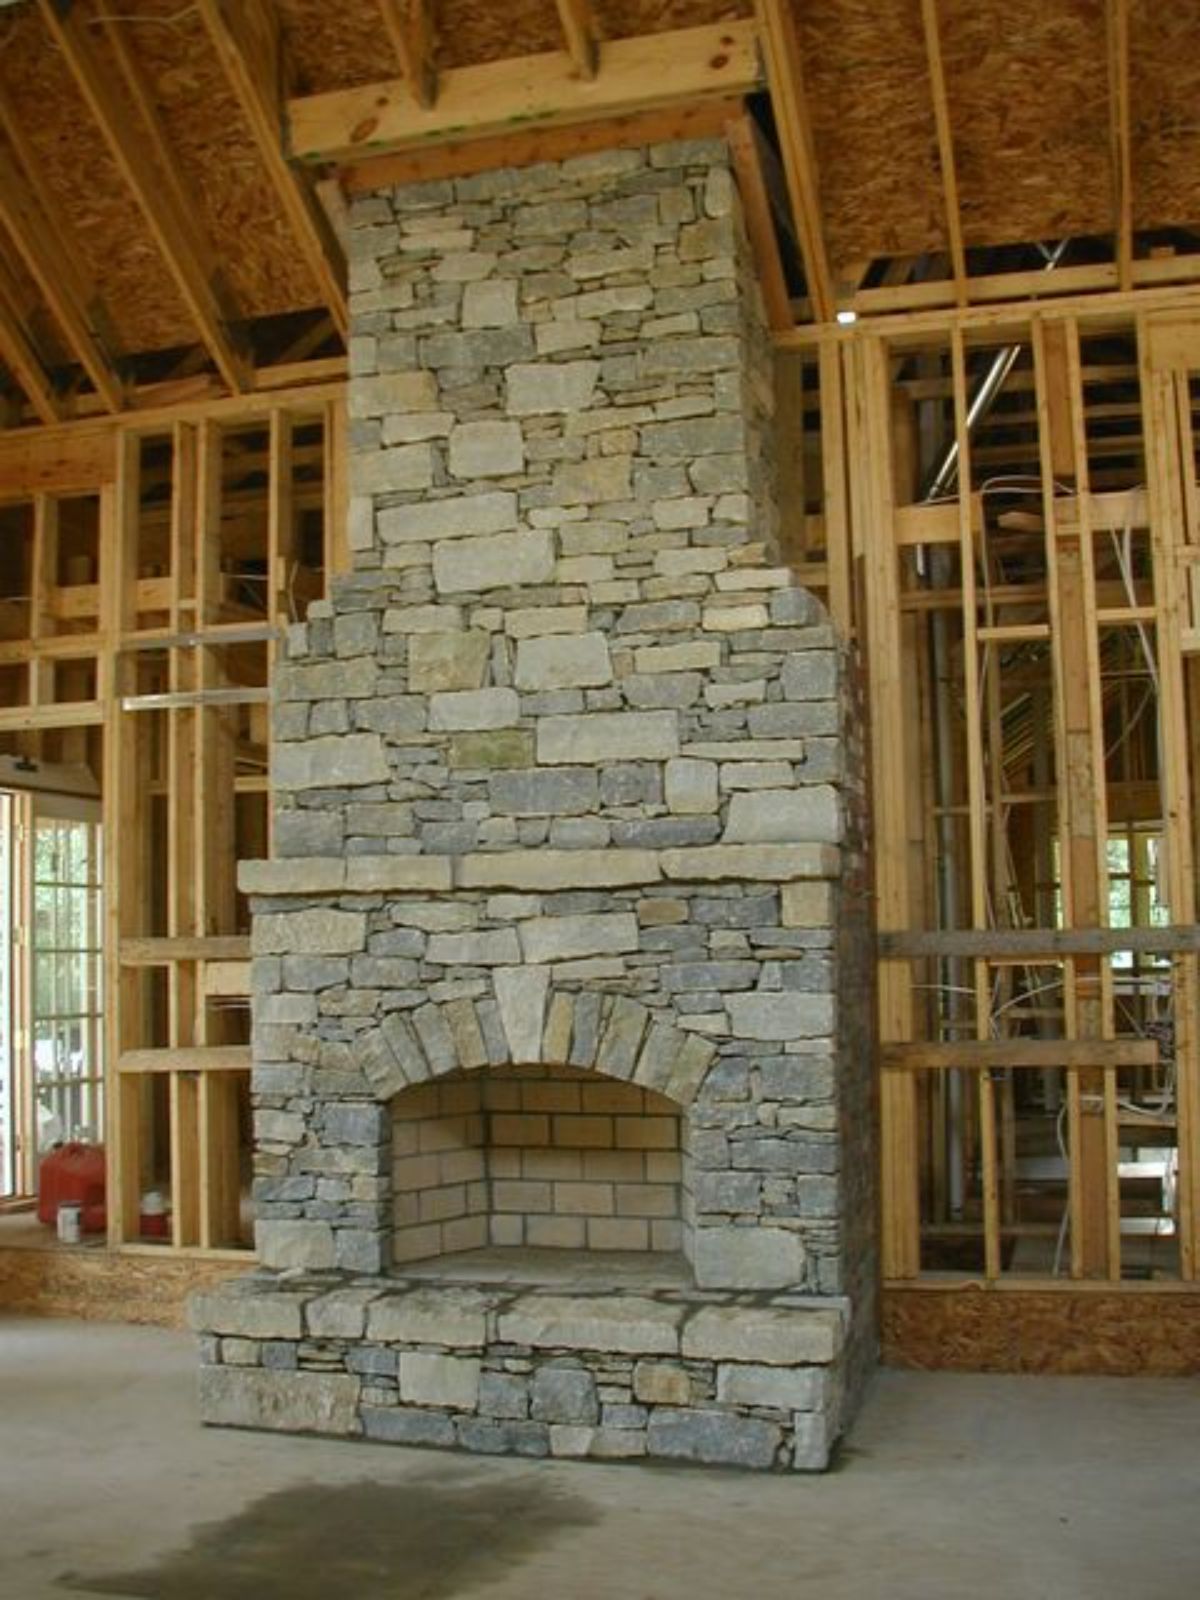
{"points": [[785, 78], [528, 93], [53, 261], [143, 157], [410, 29], [246, 37]]}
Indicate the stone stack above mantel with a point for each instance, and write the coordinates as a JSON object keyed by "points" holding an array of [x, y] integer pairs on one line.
{"points": [[562, 954]]}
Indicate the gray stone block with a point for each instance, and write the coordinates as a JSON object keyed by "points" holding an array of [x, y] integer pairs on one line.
{"points": [[715, 1438], [400, 1425], [292, 1402], [565, 1394]]}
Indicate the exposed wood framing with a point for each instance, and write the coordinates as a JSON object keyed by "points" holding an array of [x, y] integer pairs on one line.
{"points": [[541, 91], [1117, 12], [745, 143], [52, 257], [410, 31], [945, 143], [24, 360], [785, 76], [578, 22], [246, 37], [141, 154]]}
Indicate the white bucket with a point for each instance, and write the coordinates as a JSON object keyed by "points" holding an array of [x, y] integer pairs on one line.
{"points": [[70, 1223]]}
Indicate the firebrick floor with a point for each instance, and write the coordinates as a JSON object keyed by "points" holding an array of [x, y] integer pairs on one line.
{"points": [[952, 1487]]}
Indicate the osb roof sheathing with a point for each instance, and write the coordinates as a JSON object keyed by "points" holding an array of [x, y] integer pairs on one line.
{"points": [[866, 83], [1027, 82]]}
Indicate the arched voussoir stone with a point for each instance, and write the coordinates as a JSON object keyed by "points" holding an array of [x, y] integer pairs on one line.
{"points": [[525, 1022]]}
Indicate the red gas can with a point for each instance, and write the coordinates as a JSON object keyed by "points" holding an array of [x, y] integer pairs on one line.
{"points": [[73, 1174]]}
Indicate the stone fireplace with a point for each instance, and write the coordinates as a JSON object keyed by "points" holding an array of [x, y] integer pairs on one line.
{"points": [[561, 964]]}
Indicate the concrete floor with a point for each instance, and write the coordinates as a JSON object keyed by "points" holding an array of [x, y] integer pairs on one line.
{"points": [[953, 1487]]}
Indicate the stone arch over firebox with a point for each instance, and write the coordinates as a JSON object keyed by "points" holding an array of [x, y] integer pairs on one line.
{"points": [[526, 1021]]}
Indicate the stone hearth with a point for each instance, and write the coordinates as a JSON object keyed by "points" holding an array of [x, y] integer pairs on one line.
{"points": [[561, 1046]]}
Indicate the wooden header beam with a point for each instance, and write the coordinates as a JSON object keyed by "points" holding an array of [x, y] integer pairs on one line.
{"points": [[141, 155], [527, 93], [245, 35]]}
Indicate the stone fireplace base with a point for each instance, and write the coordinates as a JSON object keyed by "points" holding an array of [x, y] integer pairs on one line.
{"points": [[604, 1372]]}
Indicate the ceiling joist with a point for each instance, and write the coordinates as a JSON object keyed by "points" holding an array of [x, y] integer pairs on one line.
{"points": [[245, 34], [52, 260], [144, 160], [785, 78], [411, 32], [640, 74]]}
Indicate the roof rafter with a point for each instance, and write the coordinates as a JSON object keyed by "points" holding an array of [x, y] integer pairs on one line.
{"points": [[785, 78], [247, 39], [745, 148], [1120, 134], [53, 260], [411, 32], [144, 161], [945, 146], [578, 23], [528, 92], [22, 357]]}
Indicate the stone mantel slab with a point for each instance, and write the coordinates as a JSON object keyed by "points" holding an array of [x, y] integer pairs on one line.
{"points": [[538, 869]]}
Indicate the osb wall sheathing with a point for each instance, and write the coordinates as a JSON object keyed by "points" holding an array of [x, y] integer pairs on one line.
{"points": [[1112, 1332], [103, 1287]]}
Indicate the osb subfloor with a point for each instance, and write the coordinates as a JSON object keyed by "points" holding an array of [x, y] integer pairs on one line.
{"points": [[1017, 1488]]}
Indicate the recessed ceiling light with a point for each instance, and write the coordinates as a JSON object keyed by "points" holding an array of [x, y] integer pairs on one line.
{"points": [[847, 317]]}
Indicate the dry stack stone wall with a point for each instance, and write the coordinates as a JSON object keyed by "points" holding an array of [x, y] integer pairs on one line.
{"points": [[568, 777]]}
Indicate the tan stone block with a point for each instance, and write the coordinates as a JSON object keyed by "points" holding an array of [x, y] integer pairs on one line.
{"points": [[806, 905], [507, 1230], [555, 1233], [613, 1233], [460, 1099], [438, 1205], [465, 1233], [507, 1163], [520, 1129], [419, 1101], [656, 1383], [416, 1244], [415, 1172], [613, 1097], [647, 1133], [614, 1166], [663, 1166], [450, 1133], [521, 1195], [448, 660], [462, 1166], [583, 1199], [550, 1096], [647, 1200], [661, 913], [552, 1164], [583, 1132]]}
